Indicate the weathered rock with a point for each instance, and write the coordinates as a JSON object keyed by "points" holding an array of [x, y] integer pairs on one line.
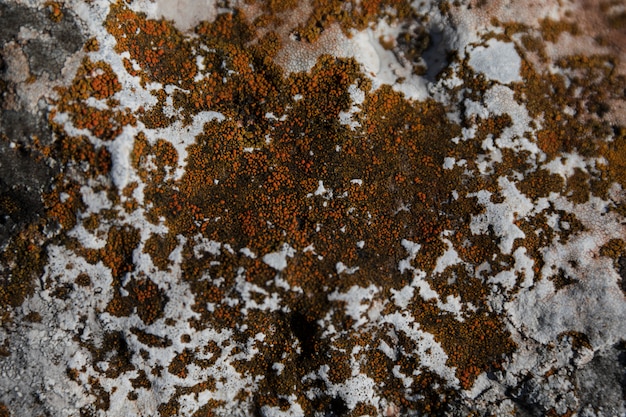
{"points": [[312, 208]]}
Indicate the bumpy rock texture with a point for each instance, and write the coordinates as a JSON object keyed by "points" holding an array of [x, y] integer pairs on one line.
{"points": [[324, 208]]}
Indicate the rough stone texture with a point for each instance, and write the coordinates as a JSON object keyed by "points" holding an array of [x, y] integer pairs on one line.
{"points": [[601, 383], [46, 42], [319, 208], [32, 45]]}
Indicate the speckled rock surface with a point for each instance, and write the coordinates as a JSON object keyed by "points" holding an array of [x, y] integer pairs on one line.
{"points": [[323, 208]]}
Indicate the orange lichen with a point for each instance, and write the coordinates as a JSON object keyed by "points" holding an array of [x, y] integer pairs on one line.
{"points": [[21, 263], [94, 80], [278, 172], [160, 248], [56, 14], [118, 251], [92, 45], [144, 297], [551, 29], [63, 205], [616, 157], [178, 365], [350, 15], [158, 46], [262, 199]]}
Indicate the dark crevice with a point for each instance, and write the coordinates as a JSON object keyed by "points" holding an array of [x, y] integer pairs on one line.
{"points": [[305, 331]]}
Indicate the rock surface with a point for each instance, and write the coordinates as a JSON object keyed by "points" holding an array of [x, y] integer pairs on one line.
{"points": [[324, 208]]}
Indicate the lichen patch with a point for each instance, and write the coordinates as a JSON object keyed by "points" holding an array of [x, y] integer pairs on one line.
{"points": [[236, 228]]}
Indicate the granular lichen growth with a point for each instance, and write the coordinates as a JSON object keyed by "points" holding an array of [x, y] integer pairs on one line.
{"points": [[312, 243]]}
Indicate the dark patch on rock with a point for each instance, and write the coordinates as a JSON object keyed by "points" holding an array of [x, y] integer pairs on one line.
{"points": [[58, 39], [427, 50], [562, 279], [21, 127], [150, 339], [622, 272], [525, 398], [305, 331], [22, 181], [13, 17], [24, 175], [338, 407], [411, 44], [438, 54], [621, 347], [600, 383]]}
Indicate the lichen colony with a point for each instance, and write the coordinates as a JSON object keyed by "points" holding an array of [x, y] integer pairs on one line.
{"points": [[319, 208]]}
